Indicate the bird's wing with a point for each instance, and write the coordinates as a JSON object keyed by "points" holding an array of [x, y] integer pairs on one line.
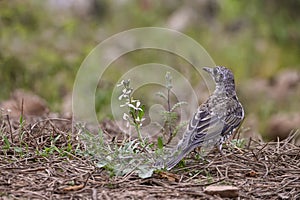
{"points": [[202, 126], [207, 127], [232, 121]]}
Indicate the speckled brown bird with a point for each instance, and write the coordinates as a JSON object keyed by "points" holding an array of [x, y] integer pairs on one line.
{"points": [[215, 120]]}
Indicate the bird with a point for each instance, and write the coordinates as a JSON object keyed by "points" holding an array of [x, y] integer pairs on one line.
{"points": [[215, 120]]}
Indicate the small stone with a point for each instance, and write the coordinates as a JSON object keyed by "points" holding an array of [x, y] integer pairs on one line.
{"points": [[226, 191]]}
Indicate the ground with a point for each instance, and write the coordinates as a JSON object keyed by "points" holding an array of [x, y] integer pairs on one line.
{"points": [[40, 160]]}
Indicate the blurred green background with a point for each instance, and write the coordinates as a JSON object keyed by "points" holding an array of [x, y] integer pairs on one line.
{"points": [[43, 43]]}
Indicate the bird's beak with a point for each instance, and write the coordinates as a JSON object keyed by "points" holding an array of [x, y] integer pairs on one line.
{"points": [[208, 69]]}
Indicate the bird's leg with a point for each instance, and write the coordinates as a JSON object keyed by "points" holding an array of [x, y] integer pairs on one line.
{"points": [[197, 150], [220, 149]]}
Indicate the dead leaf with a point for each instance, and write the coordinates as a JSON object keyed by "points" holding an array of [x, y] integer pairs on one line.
{"points": [[170, 176], [73, 188], [251, 173]]}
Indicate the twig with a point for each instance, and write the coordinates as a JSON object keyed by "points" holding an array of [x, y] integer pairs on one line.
{"points": [[10, 129], [267, 170], [22, 108], [187, 180], [94, 194], [87, 179], [249, 143]]}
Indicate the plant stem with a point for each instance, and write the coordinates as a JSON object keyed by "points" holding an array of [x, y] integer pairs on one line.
{"points": [[135, 123], [139, 134], [169, 110]]}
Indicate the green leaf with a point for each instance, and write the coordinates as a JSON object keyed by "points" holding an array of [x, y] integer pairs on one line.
{"points": [[178, 105], [160, 143], [141, 112], [56, 149], [145, 172], [6, 142], [101, 164], [18, 149], [21, 119], [57, 138], [162, 95], [240, 143], [100, 135]]}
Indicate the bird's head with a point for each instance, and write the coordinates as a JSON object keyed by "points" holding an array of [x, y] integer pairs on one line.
{"points": [[220, 74]]}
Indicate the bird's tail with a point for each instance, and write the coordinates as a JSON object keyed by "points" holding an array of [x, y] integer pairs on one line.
{"points": [[177, 158]]}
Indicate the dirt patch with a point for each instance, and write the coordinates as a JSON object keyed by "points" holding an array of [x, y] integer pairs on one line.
{"points": [[39, 160]]}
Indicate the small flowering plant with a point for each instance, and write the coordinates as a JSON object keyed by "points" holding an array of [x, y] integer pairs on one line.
{"points": [[170, 116], [136, 110]]}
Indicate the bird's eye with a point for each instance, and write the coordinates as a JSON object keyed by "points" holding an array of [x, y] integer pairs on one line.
{"points": [[215, 71]]}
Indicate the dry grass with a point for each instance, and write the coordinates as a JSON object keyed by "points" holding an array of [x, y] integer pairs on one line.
{"points": [[42, 163]]}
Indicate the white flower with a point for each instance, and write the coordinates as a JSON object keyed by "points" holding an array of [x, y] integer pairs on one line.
{"points": [[135, 107], [120, 84], [121, 97], [125, 116], [138, 104]]}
